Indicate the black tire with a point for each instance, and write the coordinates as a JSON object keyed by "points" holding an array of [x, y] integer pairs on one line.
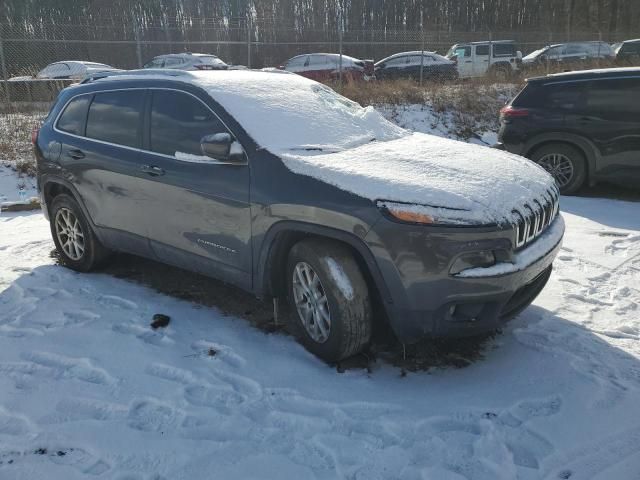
{"points": [[93, 254], [349, 308], [573, 155]]}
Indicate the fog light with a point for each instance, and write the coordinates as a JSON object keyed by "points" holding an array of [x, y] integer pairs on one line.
{"points": [[481, 259]]}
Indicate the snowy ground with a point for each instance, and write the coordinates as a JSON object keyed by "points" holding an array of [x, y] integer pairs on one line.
{"points": [[88, 389]]}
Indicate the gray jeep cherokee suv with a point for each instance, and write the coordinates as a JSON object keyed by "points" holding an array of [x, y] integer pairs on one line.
{"points": [[277, 184]]}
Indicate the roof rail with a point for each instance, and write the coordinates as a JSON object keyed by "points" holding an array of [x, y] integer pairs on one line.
{"points": [[140, 72]]}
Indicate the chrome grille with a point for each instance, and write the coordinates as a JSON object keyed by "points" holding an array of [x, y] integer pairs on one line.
{"points": [[535, 217]]}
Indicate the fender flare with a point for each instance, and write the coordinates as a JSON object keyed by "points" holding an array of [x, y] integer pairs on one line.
{"points": [[47, 180], [262, 279]]}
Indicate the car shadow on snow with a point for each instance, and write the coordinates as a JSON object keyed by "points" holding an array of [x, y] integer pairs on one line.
{"points": [[230, 300]]}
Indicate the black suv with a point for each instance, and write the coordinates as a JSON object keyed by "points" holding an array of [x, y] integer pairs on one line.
{"points": [[580, 126], [277, 184]]}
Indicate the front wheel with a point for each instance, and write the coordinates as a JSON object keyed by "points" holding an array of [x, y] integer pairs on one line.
{"points": [[77, 245], [329, 300], [565, 163]]}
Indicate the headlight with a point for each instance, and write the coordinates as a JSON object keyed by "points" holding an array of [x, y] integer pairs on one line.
{"points": [[425, 214]]}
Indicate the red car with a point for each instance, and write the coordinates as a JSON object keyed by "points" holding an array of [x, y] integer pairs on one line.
{"points": [[325, 66]]}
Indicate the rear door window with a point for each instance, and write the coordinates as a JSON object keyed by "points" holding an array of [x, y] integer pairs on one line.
{"points": [[615, 99], [296, 62], [116, 117], [74, 115], [567, 97], [396, 62], [504, 50], [482, 50], [178, 123]]}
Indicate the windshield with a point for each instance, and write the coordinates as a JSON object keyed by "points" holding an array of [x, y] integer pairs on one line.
{"points": [[284, 112], [534, 54], [452, 51]]}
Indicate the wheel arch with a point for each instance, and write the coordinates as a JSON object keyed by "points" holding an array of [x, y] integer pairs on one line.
{"points": [[54, 186], [270, 277]]}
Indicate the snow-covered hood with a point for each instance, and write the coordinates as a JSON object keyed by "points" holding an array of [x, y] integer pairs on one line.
{"points": [[468, 183]]}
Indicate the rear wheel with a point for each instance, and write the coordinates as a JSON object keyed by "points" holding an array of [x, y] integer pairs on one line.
{"points": [[77, 245], [329, 300], [565, 163]]}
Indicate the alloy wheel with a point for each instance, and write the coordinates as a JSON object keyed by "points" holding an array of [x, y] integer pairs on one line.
{"points": [[559, 166], [311, 302], [70, 234]]}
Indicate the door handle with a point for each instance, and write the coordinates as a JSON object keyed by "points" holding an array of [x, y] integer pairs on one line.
{"points": [[75, 154], [152, 170]]}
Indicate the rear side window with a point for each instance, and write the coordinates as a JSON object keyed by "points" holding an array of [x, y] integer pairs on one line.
{"points": [[615, 99], [504, 50], [482, 50], [116, 117], [74, 115], [178, 123], [565, 96]]}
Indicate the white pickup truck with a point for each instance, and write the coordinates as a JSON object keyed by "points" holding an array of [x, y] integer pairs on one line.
{"points": [[498, 58]]}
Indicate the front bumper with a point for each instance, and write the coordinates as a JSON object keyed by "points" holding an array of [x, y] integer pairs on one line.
{"points": [[430, 302]]}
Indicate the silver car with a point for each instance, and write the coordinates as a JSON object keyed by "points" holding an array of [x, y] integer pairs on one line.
{"points": [[187, 61], [72, 69]]}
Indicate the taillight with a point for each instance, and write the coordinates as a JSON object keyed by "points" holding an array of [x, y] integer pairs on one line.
{"points": [[34, 135], [513, 112]]}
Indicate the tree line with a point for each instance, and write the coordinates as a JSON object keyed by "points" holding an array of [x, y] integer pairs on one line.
{"points": [[276, 25]]}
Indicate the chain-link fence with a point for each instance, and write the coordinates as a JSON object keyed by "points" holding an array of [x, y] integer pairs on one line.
{"points": [[27, 47]]}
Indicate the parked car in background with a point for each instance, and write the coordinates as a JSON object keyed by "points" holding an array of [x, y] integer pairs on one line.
{"points": [[279, 185], [325, 66], [581, 127], [409, 64], [500, 59], [187, 61], [569, 54], [72, 69], [627, 52]]}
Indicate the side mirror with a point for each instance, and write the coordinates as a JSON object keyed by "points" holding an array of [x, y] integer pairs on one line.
{"points": [[221, 147], [519, 55]]}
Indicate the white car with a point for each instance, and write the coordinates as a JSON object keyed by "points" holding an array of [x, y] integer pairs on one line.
{"points": [[72, 69], [187, 61], [498, 58]]}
